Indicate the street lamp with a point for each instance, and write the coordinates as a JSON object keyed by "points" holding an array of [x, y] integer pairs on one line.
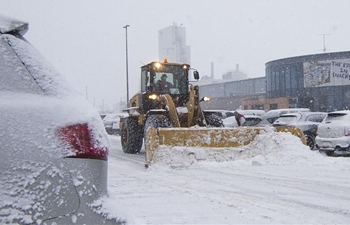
{"points": [[127, 75]]}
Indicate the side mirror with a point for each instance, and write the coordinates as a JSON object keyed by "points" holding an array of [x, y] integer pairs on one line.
{"points": [[196, 75]]}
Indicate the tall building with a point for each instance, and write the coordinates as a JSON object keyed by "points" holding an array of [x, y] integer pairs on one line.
{"points": [[172, 44]]}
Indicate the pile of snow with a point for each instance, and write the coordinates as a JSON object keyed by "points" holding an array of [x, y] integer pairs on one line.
{"points": [[268, 148]]}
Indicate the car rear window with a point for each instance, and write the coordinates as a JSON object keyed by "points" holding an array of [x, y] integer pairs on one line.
{"points": [[316, 118], [228, 114], [287, 119], [337, 117], [13, 74], [30, 70], [251, 121]]}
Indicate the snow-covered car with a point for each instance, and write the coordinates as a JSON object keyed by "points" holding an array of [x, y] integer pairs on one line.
{"points": [[232, 122], [255, 121], [54, 148], [218, 112], [250, 120], [333, 134], [254, 112], [274, 114], [111, 122], [307, 122]]}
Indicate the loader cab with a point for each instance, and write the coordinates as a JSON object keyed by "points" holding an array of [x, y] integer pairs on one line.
{"points": [[177, 83], [176, 77]]}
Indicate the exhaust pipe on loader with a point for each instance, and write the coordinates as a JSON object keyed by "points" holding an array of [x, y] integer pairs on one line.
{"points": [[206, 138]]}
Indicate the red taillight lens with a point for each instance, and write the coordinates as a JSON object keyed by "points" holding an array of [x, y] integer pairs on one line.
{"points": [[80, 139], [347, 131]]}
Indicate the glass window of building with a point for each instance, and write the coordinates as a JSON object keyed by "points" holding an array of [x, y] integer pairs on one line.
{"points": [[273, 106], [287, 78]]}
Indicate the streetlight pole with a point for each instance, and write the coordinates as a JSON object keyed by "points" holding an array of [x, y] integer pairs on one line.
{"points": [[127, 74]]}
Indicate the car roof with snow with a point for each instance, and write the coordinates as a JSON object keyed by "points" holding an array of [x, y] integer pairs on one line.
{"points": [[9, 25]]}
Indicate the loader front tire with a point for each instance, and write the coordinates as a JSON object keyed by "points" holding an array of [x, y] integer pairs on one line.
{"points": [[310, 140], [156, 121], [131, 136], [213, 120]]}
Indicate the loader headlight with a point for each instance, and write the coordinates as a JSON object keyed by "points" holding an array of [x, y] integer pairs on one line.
{"points": [[153, 96], [158, 65], [205, 99]]}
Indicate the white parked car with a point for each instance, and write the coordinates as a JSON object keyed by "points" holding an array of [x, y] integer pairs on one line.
{"points": [[273, 114], [253, 112], [218, 112], [111, 122], [232, 122], [307, 122], [333, 134], [54, 148]]}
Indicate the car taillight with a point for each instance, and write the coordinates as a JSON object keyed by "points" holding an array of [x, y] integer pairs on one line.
{"points": [[347, 131], [80, 139]]}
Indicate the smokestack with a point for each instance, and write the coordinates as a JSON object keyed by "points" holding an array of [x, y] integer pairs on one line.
{"points": [[212, 70], [237, 67]]}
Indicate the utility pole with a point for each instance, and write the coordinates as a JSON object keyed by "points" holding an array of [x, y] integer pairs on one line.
{"points": [[127, 72], [324, 42]]}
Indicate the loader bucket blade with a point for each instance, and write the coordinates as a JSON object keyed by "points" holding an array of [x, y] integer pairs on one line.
{"points": [[293, 130], [205, 137]]}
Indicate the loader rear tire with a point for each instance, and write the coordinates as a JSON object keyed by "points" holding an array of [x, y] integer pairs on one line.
{"points": [[213, 120], [131, 136]]}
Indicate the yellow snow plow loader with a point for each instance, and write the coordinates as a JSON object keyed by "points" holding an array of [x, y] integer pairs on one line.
{"points": [[167, 111]]}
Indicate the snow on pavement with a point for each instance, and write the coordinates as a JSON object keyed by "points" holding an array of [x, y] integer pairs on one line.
{"points": [[273, 180]]}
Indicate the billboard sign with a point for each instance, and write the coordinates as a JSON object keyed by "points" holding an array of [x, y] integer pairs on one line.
{"points": [[327, 73]]}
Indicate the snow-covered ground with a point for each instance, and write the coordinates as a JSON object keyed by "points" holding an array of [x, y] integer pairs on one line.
{"points": [[274, 180]]}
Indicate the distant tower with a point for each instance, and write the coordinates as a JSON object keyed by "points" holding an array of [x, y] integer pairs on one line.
{"points": [[172, 44], [235, 75]]}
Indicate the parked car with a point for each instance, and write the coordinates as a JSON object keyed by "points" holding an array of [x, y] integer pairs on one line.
{"points": [[254, 112], [256, 121], [333, 134], [268, 118], [53, 145], [220, 113], [111, 122], [251, 118], [273, 114], [307, 122], [230, 122]]}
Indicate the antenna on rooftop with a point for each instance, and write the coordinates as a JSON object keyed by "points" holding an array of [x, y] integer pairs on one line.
{"points": [[324, 41]]}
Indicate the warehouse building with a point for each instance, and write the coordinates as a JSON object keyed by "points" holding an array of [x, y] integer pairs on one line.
{"points": [[320, 82]]}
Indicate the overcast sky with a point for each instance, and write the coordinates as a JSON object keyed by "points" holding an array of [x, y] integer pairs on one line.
{"points": [[85, 39]]}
